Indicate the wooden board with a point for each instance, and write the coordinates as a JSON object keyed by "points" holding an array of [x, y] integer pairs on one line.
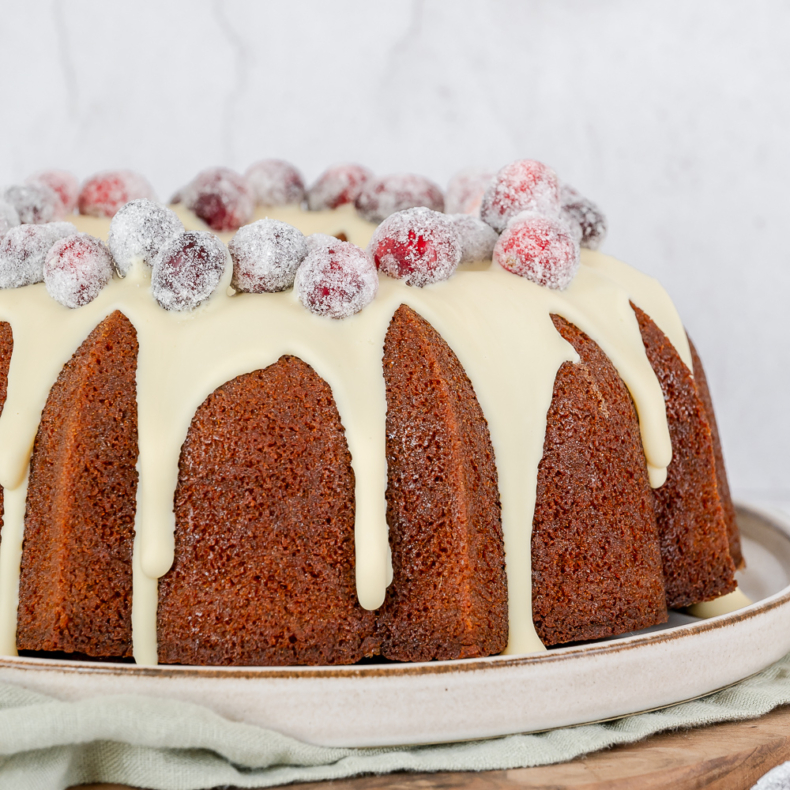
{"points": [[729, 756]]}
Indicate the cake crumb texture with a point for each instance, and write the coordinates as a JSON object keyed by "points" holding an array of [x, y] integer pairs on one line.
{"points": [[448, 598], [6, 349], [596, 561], [75, 588], [722, 483], [264, 542], [695, 546]]}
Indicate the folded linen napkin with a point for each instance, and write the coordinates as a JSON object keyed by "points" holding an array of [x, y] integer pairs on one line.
{"points": [[162, 744]]}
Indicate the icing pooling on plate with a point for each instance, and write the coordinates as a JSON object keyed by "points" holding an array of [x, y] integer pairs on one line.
{"points": [[499, 325]]}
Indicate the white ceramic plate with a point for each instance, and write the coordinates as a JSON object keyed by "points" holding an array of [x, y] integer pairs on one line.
{"points": [[391, 704]]}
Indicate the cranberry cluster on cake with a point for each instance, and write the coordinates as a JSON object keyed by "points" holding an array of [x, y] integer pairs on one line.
{"points": [[291, 425]]}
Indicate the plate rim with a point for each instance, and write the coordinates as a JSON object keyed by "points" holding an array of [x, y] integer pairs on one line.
{"points": [[776, 520]]}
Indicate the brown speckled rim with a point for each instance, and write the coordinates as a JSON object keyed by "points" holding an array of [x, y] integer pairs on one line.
{"points": [[775, 521]]}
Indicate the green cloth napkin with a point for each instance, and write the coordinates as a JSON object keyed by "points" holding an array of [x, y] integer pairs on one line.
{"points": [[160, 744]]}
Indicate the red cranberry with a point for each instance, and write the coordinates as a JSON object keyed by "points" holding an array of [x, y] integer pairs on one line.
{"points": [[34, 203], [23, 251], [103, 194], [336, 280], [139, 230], [465, 191], [266, 255], [64, 183], [220, 197], [383, 196], [584, 215], [275, 183], [477, 237], [338, 185], [188, 270], [540, 248], [418, 246], [523, 185], [76, 269]]}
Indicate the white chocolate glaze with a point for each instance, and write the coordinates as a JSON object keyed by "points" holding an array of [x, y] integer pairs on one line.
{"points": [[647, 294], [10, 560], [724, 604], [498, 324]]}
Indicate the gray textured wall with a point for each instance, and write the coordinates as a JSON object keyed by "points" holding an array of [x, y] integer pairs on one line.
{"points": [[673, 115]]}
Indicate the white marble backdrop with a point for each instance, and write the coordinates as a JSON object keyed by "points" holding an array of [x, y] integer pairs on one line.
{"points": [[674, 116]]}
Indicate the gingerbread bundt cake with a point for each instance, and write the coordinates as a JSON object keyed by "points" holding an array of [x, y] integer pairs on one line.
{"points": [[477, 435]]}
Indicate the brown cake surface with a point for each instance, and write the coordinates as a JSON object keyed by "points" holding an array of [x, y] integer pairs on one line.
{"points": [[448, 597], [6, 349], [596, 562], [722, 483], [691, 521], [264, 542], [75, 589]]}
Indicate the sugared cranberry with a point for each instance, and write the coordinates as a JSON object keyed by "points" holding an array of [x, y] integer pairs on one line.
{"points": [[465, 191], [23, 251], [523, 185], [584, 214], [103, 194], [138, 231], [477, 237], [34, 203], [539, 248], [266, 255], [418, 246], [336, 280], [275, 183], [9, 217], [64, 183], [76, 269], [338, 185], [220, 197], [383, 196], [187, 270]]}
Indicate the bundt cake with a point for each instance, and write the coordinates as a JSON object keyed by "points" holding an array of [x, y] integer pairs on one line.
{"points": [[438, 437]]}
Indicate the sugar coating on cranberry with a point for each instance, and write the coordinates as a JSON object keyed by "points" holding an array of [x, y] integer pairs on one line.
{"points": [[64, 183], [477, 238], [23, 251], [76, 269], [62, 228], [336, 280], [138, 231], [540, 248], [34, 203], [523, 185], [465, 191], [9, 217], [275, 183], [321, 239], [103, 194], [220, 197], [337, 185], [581, 212], [187, 270], [266, 255], [418, 246], [386, 195]]}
